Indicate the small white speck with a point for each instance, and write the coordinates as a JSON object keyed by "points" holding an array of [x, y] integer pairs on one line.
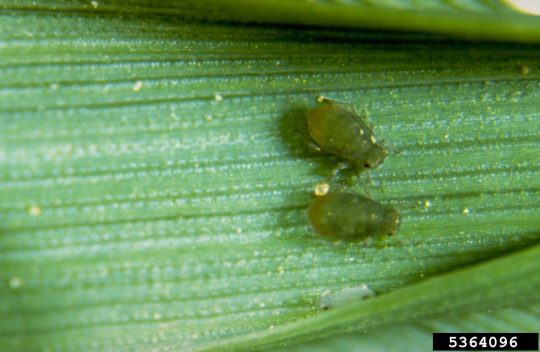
{"points": [[466, 211], [209, 118], [321, 189], [239, 230], [446, 136], [15, 282], [94, 4], [54, 86], [427, 204], [361, 131], [34, 210], [157, 316], [262, 305], [373, 139], [280, 270], [218, 97], [27, 33], [137, 86]]}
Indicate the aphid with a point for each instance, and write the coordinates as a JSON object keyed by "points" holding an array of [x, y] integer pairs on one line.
{"points": [[345, 134], [351, 216]]}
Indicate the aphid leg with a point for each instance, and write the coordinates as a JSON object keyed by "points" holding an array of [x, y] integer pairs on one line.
{"points": [[312, 145], [397, 241], [344, 165], [363, 117], [339, 172], [391, 148], [385, 241], [378, 185], [369, 241], [367, 183], [341, 179]]}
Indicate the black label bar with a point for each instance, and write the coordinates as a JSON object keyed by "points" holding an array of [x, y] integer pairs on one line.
{"points": [[485, 342]]}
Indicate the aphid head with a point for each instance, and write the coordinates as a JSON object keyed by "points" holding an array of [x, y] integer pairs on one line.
{"points": [[375, 157]]}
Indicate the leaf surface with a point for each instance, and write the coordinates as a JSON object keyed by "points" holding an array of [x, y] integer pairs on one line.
{"points": [[154, 177]]}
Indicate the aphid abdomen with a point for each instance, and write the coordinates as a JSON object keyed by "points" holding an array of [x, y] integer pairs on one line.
{"points": [[343, 133], [350, 216], [333, 129]]}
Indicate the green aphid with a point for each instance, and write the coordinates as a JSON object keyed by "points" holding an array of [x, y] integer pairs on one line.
{"points": [[345, 134], [351, 216]]}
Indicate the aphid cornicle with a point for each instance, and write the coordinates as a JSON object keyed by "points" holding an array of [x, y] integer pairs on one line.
{"points": [[345, 134], [351, 216]]}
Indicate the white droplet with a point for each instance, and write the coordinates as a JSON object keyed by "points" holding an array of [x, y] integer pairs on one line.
{"points": [[218, 97], [137, 86], [15, 282], [321, 189], [34, 210]]}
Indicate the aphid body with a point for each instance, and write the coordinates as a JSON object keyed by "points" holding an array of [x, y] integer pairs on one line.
{"points": [[351, 216], [345, 134]]}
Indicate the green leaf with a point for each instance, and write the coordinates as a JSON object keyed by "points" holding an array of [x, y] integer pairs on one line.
{"points": [[154, 178], [514, 20], [418, 336], [462, 291]]}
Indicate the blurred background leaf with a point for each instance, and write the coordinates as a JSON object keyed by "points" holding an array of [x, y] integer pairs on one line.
{"points": [[418, 336], [154, 177]]}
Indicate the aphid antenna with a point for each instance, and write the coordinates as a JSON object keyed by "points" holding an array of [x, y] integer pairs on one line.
{"points": [[415, 206]]}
